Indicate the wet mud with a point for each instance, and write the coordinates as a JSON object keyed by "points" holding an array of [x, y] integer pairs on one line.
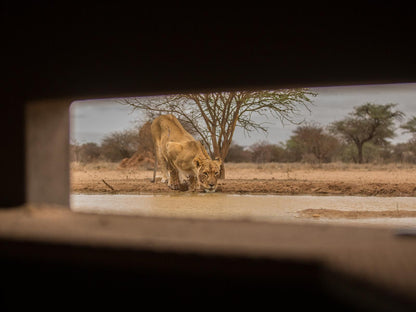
{"points": [[254, 186]]}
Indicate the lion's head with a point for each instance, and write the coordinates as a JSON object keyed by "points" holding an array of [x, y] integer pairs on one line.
{"points": [[209, 172]]}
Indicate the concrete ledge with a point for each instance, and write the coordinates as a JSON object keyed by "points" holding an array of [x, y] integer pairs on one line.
{"points": [[370, 257]]}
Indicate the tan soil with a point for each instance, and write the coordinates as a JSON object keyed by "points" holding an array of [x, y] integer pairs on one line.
{"points": [[296, 179], [356, 214]]}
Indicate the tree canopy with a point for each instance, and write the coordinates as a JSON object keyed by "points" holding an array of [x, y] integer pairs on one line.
{"points": [[410, 126]]}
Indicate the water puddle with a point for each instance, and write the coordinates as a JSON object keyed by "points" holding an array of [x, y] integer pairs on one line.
{"points": [[354, 210]]}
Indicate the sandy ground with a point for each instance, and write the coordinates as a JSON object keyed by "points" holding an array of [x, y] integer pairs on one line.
{"points": [[288, 179]]}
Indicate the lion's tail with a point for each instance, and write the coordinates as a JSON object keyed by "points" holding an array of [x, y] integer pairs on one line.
{"points": [[155, 167]]}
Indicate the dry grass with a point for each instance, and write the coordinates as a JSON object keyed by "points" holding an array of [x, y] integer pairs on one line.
{"points": [[332, 172], [98, 165], [337, 166], [98, 171], [327, 166]]}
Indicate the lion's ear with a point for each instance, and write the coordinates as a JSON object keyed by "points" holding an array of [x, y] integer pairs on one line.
{"points": [[197, 162]]}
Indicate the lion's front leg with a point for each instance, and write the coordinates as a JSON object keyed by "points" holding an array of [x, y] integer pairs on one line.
{"points": [[173, 179], [164, 169], [193, 183]]}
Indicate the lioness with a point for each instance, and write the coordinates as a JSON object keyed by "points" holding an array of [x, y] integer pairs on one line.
{"points": [[180, 156]]}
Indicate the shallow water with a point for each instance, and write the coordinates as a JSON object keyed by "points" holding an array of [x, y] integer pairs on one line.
{"points": [[269, 208]]}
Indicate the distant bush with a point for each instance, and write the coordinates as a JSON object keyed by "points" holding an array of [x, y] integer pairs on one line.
{"points": [[85, 153], [263, 152], [238, 154], [119, 145], [310, 143]]}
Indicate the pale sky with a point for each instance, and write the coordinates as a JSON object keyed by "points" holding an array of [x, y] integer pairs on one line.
{"points": [[93, 119]]}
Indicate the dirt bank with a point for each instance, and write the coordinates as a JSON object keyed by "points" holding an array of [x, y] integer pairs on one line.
{"points": [[293, 179], [356, 214]]}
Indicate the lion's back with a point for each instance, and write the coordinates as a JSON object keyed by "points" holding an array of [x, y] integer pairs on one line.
{"points": [[168, 128]]}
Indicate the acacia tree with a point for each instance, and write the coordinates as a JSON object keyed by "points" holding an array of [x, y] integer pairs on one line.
{"points": [[368, 123], [214, 116], [410, 126]]}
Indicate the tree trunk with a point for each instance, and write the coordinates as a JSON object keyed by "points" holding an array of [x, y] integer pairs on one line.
{"points": [[222, 172], [222, 167], [360, 153], [222, 155]]}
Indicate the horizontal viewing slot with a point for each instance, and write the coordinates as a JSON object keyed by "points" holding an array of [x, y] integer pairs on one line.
{"points": [[250, 155]]}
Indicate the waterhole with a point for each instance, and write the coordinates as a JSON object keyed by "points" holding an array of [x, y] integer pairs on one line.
{"points": [[382, 211]]}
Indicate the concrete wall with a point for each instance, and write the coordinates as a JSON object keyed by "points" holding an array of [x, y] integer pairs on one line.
{"points": [[47, 152]]}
